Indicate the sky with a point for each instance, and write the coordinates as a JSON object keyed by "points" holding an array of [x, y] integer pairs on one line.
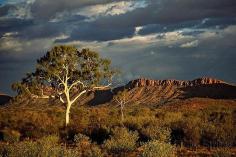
{"points": [[157, 39]]}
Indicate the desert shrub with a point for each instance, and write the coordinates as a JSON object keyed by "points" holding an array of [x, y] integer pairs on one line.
{"points": [[158, 149], [192, 135], [122, 140], [93, 151], [44, 147], [140, 112], [155, 132], [68, 152], [86, 148], [133, 123], [218, 135], [192, 131], [187, 131], [82, 141], [81, 138], [26, 149], [137, 123], [171, 117], [222, 152], [9, 135]]}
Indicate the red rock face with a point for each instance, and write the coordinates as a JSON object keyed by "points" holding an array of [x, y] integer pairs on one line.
{"points": [[147, 82]]}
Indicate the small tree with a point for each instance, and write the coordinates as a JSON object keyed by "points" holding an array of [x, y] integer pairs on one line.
{"points": [[122, 98], [69, 73]]}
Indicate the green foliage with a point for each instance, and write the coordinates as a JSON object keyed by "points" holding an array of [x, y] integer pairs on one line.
{"points": [[81, 140], [172, 117], [93, 151], [122, 140], [211, 127], [222, 152], [155, 132], [158, 149], [44, 147], [65, 61], [218, 136], [64, 71], [9, 135]]}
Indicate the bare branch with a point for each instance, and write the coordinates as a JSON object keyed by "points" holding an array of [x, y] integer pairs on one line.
{"points": [[62, 100], [62, 80], [118, 101], [75, 83], [102, 87], [81, 93]]}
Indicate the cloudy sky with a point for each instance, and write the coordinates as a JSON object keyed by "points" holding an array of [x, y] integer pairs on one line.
{"points": [[159, 39]]}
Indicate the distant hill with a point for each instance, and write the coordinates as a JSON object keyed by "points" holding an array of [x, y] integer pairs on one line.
{"points": [[147, 91], [4, 98], [153, 92]]}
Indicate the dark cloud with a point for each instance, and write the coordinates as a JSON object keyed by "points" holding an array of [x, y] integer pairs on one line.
{"points": [[172, 12], [196, 26], [5, 8], [207, 27], [13, 25], [214, 57], [91, 32], [51, 29], [46, 9]]}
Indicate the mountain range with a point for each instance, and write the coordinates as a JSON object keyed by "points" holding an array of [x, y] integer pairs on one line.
{"points": [[158, 92]]}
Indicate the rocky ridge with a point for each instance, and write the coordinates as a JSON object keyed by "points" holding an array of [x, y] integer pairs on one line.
{"points": [[142, 82]]}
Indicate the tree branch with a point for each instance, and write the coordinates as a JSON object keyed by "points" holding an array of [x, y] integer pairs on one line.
{"points": [[118, 101], [102, 87], [62, 100], [75, 83], [84, 91]]}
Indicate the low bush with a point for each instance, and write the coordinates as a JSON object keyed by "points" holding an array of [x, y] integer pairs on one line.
{"points": [[82, 140], [44, 147], [122, 140], [9, 135], [155, 132], [93, 151], [158, 149], [222, 152]]}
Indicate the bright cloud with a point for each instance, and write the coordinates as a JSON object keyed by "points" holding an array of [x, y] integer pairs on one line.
{"points": [[190, 44], [114, 8]]}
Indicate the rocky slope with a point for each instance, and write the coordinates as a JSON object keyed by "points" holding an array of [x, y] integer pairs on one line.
{"points": [[147, 91], [200, 81], [158, 92]]}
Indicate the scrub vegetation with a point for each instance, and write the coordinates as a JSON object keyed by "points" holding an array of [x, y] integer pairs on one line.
{"points": [[33, 126]]}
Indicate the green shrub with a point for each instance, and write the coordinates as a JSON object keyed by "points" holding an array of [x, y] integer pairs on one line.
{"points": [[172, 117], [122, 140], [9, 135], [158, 149], [78, 138], [82, 141], [152, 132], [192, 130], [218, 135], [26, 149], [93, 151], [222, 152], [68, 152], [45, 147]]}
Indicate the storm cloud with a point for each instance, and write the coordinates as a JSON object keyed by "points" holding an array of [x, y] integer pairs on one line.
{"points": [[159, 39]]}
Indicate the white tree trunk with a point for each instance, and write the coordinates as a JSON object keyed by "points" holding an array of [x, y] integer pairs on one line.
{"points": [[68, 113], [122, 113]]}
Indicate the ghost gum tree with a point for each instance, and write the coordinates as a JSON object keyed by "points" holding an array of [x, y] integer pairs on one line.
{"points": [[69, 73], [122, 99]]}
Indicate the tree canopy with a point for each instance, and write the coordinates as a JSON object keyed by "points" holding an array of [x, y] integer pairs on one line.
{"points": [[64, 71]]}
